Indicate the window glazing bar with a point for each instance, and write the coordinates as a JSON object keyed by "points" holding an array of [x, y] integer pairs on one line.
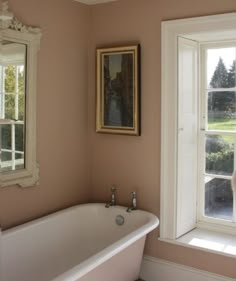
{"points": [[13, 146], [17, 94], [221, 89], [3, 92], [219, 132], [218, 176]]}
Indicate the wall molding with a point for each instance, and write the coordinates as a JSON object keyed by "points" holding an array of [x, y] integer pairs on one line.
{"points": [[153, 269], [94, 2]]}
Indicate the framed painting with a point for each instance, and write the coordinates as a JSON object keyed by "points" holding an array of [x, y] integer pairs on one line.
{"points": [[118, 90]]}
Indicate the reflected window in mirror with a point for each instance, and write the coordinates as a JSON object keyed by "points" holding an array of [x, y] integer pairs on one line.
{"points": [[19, 46], [12, 105]]}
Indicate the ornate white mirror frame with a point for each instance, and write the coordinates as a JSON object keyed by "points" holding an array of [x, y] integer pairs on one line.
{"points": [[12, 30]]}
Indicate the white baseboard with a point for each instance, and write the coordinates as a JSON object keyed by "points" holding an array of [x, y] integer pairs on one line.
{"points": [[153, 269]]}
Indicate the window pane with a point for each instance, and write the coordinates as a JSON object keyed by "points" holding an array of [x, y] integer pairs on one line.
{"points": [[5, 136], [221, 68], [6, 156], [21, 108], [10, 79], [19, 161], [222, 111], [218, 198], [21, 93], [10, 107], [6, 161], [219, 155], [2, 105], [19, 137], [21, 79]]}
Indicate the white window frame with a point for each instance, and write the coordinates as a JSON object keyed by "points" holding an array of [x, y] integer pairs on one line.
{"points": [[201, 29], [15, 31], [204, 221]]}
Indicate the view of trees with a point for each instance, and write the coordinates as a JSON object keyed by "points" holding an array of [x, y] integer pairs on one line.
{"points": [[219, 156], [10, 90], [222, 78]]}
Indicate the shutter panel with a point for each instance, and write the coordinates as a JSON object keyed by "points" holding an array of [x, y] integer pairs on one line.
{"points": [[187, 135]]}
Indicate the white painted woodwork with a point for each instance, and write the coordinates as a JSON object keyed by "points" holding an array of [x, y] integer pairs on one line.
{"points": [[199, 28], [153, 269], [187, 135], [1, 258]]}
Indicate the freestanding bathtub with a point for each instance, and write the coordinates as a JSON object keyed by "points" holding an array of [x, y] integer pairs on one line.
{"points": [[85, 242]]}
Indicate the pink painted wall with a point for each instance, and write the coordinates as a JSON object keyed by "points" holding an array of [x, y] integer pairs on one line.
{"points": [[133, 163], [72, 156], [61, 111]]}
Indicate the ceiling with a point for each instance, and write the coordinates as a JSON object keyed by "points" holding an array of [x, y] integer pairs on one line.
{"points": [[93, 2]]}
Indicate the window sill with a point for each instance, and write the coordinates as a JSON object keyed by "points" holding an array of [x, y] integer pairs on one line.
{"points": [[209, 241]]}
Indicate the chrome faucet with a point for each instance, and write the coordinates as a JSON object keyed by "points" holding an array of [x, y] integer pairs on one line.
{"points": [[113, 197], [134, 202]]}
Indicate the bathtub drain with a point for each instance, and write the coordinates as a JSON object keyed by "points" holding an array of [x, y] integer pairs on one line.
{"points": [[120, 220]]}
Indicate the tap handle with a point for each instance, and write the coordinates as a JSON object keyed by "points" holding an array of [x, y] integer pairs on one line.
{"points": [[113, 189], [133, 194]]}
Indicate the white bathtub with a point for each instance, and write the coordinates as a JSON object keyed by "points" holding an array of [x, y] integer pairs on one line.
{"points": [[80, 243]]}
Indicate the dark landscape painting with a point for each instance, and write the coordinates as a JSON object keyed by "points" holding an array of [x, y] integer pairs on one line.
{"points": [[118, 89]]}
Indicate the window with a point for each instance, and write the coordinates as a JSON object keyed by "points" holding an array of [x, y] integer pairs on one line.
{"points": [[19, 45], [218, 131], [198, 131], [12, 106]]}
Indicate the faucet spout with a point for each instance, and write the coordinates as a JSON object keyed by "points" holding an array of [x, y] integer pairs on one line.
{"points": [[134, 202], [113, 197]]}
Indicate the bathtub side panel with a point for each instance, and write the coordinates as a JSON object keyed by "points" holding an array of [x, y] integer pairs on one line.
{"points": [[1, 258], [124, 266]]}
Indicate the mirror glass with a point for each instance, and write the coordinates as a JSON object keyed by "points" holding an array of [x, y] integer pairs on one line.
{"points": [[12, 105]]}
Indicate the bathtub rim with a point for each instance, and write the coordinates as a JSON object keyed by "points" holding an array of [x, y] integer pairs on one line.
{"points": [[45, 218]]}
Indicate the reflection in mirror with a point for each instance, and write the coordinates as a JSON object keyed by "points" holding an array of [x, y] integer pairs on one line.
{"points": [[12, 105], [19, 46]]}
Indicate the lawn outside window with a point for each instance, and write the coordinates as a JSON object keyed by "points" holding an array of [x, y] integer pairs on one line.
{"points": [[198, 131]]}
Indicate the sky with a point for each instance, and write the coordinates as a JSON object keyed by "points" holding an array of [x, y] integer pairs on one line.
{"points": [[213, 55]]}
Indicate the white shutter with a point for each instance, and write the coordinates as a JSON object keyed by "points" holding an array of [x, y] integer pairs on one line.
{"points": [[187, 135]]}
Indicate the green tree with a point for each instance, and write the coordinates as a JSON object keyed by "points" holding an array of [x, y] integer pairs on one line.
{"points": [[21, 91], [10, 82], [219, 155], [232, 75], [221, 79], [10, 90], [220, 76]]}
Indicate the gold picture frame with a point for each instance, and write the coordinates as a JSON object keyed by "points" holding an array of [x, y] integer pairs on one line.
{"points": [[118, 90]]}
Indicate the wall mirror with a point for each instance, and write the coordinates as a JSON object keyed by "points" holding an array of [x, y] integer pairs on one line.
{"points": [[19, 45]]}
